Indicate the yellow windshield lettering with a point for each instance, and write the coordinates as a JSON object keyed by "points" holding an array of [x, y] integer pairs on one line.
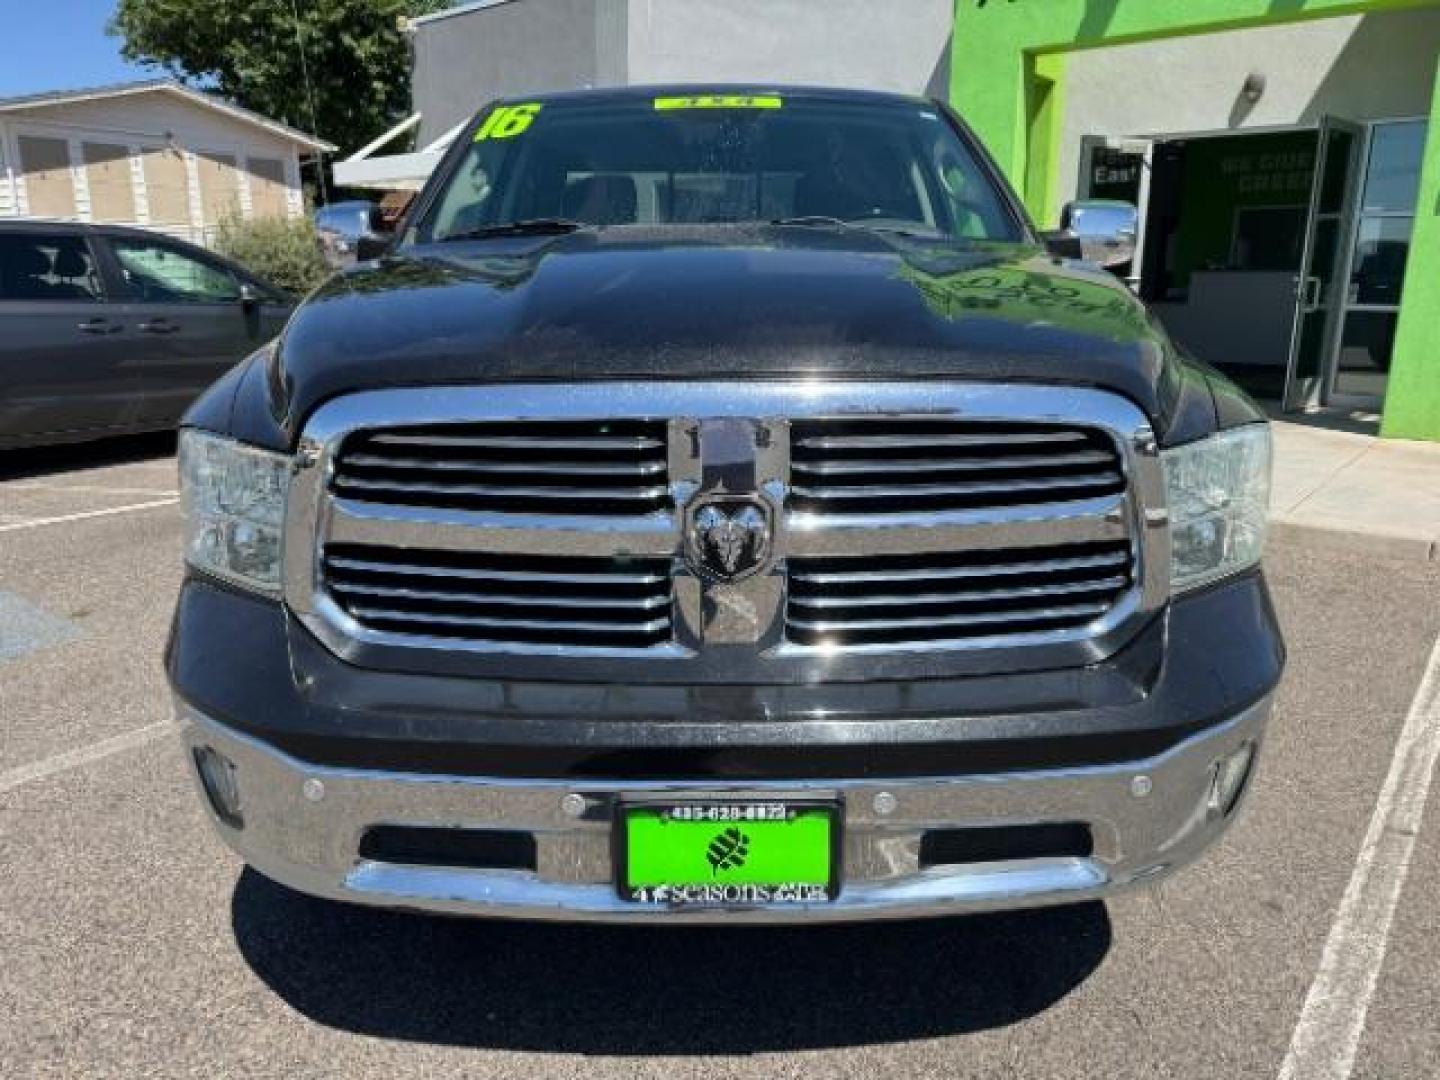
{"points": [[719, 101], [507, 121]]}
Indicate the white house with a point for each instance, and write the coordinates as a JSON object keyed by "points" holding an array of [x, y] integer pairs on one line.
{"points": [[154, 154]]}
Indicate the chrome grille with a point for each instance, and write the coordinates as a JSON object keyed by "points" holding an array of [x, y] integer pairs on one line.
{"points": [[889, 465], [943, 598], [610, 603], [584, 467], [490, 530]]}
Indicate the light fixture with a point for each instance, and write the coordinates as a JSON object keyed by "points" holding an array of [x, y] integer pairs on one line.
{"points": [[1254, 87]]}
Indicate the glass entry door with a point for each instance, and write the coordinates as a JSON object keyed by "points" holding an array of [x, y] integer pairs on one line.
{"points": [[1359, 367], [1318, 290]]}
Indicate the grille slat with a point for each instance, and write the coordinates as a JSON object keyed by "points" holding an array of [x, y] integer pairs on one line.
{"points": [[917, 465], [515, 441], [504, 491], [504, 600], [948, 439], [913, 600], [868, 466], [964, 596], [571, 467], [1017, 488], [543, 576], [636, 468], [457, 596], [481, 622], [932, 622], [946, 573]]}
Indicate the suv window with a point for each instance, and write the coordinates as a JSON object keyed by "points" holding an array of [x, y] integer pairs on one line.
{"points": [[721, 159], [40, 267], [157, 273]]}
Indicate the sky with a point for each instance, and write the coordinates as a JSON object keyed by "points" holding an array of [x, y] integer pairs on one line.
{"points": [[60, 45]]}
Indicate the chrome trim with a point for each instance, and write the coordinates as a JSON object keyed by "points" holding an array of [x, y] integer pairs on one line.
{"points": [[313, 845], [748, 613], [962, 530]]}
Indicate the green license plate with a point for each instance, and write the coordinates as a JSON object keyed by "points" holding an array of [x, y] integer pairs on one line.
{"points": [[728, 854]]}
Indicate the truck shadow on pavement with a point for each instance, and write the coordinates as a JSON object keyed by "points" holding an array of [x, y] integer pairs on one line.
{"points": [[39, 461], [663, 990]]}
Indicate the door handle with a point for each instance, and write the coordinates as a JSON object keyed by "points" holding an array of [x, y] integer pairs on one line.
{"points": [[1310, 294], [157, 326], [99, 326]]}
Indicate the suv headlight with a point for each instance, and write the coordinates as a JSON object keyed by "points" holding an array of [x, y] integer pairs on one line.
{"points": [[234, 501], [1219, 493]]}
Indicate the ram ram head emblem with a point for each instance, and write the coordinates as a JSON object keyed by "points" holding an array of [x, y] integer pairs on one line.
{"points": [[729, 539]]}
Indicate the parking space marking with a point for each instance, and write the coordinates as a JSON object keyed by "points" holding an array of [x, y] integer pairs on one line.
{"points": [[84, 755], [104, 489], [35, 523], [1332, 1020]]}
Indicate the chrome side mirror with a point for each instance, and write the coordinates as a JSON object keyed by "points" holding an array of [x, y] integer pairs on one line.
{"points": [[1106, 229]]}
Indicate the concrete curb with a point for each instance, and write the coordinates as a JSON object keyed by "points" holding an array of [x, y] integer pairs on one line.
{"points": [[1343, 536]]}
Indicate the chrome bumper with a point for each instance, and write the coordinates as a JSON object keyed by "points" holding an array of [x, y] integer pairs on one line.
{"points": [[303, 825]]}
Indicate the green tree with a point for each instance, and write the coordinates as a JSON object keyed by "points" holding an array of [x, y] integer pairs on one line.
{"points": [[347, 57]]}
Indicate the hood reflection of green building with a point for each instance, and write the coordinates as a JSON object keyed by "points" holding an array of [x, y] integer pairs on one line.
{"points": [[1026, 298]]}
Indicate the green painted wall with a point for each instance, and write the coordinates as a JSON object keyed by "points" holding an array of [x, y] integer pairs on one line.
{"points": [[1007, 80]]}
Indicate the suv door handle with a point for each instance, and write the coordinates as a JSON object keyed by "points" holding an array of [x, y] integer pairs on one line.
{"points": [[157, 326], [100, 326]]}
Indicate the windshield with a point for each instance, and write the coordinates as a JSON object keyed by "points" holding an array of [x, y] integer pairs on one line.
{"points": [[718, 159]]}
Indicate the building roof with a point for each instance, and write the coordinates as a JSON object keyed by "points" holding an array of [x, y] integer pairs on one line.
{"points": [[461, 9], [170, 86]]}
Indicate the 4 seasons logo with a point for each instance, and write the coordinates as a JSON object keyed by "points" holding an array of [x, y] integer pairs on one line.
{"points": [[728, 851]]}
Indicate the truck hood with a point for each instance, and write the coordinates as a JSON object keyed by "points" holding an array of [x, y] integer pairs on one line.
{"points": [[719, 302]]}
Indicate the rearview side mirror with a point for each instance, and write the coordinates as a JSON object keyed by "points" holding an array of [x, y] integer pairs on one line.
{"points": [[249, 295], [1105, 229]]}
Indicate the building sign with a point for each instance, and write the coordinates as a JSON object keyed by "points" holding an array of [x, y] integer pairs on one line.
{"points": [[1281, 173], [1115, 174]]}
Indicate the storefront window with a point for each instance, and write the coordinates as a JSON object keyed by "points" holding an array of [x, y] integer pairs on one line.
{"points": [[1377, 265], [1392, 177]]}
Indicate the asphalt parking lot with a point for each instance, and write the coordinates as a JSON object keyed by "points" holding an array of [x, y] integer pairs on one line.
{"points": [[132, 943]]}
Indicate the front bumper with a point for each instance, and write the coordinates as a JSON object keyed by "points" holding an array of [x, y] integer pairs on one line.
{"points": [[303, 825]]}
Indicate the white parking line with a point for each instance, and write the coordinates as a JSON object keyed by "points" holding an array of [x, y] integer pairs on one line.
{"points": [[1332, 1019], [73, 759], [104, 489], [35, 523]]}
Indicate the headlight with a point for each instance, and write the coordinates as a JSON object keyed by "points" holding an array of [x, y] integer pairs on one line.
{"points": [[1219, 492], [234, 501]]}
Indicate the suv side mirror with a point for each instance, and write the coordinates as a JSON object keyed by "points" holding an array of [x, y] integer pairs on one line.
{"points": [[1105, 229]]}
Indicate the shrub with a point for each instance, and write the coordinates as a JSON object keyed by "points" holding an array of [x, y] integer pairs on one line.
{"points": [[285, 251]]}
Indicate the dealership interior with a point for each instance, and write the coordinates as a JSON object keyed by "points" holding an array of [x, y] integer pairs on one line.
{"points": [[1232, 221]]}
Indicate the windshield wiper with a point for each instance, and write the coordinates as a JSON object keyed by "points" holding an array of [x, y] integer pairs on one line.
{"points": [[815, 221], [527, 227], [825, 221]]}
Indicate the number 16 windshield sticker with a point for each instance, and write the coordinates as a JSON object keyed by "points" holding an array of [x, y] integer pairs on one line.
{"points": [[507, 121]]}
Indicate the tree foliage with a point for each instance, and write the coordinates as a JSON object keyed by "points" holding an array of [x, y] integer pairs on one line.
{"points": [[356, 59]]}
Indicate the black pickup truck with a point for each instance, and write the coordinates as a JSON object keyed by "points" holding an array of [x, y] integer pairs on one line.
{"points": [[722, 504]]}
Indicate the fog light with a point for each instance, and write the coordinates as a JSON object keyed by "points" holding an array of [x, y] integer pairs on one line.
{"points": [[1229, 780], [217, 776]]}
